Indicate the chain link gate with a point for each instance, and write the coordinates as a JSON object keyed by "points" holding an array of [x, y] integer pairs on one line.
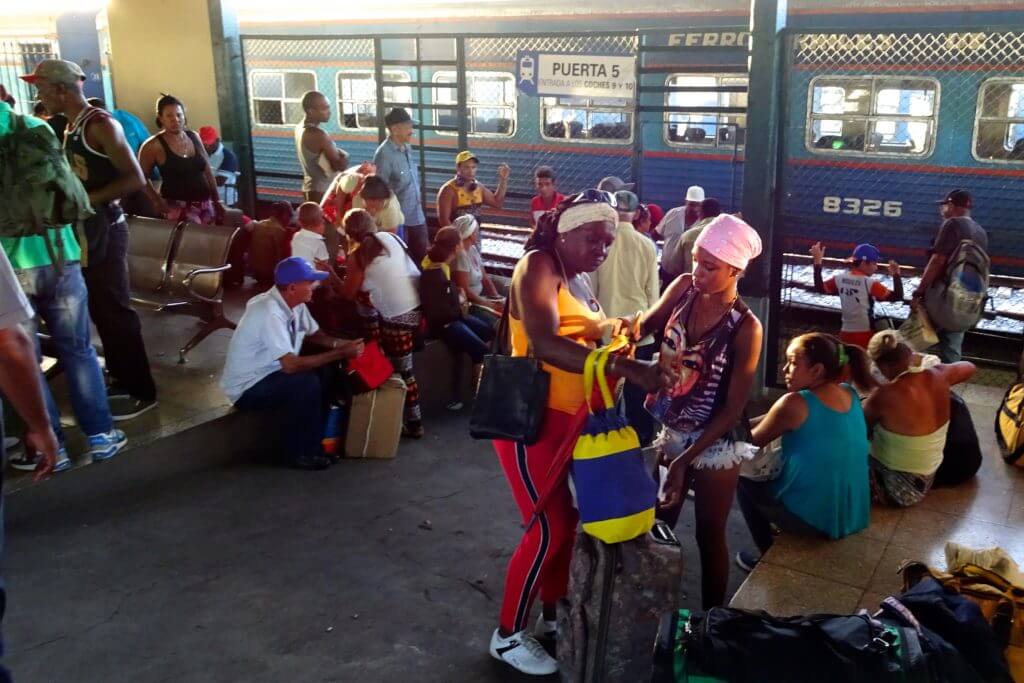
{"points": [[877, 127]]}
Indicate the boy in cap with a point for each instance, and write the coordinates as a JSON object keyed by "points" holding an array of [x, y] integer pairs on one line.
{"points": [[857, 290]]}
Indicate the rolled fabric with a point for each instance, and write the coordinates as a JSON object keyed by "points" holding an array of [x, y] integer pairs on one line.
{"points": [[466, 224], [730, 239], [581, 214]]}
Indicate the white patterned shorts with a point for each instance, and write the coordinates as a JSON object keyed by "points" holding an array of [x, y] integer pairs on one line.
{"points": [[723, 454]]}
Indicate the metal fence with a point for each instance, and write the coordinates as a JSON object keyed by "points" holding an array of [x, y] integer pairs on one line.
{"points": [[19, 57]]}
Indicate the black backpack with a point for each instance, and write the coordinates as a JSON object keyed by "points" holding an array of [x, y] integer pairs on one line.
{"points": [[439, 299]]}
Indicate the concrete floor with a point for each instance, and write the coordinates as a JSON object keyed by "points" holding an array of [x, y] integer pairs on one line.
{"points": [[192, 560], [189, 558]]}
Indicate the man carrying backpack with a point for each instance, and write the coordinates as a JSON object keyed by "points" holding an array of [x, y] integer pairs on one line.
{"points": [[954, 286]]}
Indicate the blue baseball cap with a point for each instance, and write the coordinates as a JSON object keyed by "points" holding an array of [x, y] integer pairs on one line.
{"points": [[296, 269], [867, 252]]}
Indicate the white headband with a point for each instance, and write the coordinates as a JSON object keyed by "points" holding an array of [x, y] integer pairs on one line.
{"points": [[581, 214]]}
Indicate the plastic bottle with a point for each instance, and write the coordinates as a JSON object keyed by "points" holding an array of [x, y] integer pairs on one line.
{"points": [[332, 430]]}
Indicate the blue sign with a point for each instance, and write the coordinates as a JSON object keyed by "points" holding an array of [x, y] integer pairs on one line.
{"points": [[526, 72]]}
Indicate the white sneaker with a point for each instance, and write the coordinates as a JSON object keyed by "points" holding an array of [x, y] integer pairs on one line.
{"points": [[544, 629], [523, 653]]}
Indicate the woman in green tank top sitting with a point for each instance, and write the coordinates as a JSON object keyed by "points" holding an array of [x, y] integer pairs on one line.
{"points": [[822, 488], [910, 417]]}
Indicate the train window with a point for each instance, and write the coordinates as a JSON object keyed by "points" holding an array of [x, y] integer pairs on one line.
{"points": [[999, 129], [277, 96], [703, 129], [357, 96], [872, 115], [595, 119], [490, 102]]}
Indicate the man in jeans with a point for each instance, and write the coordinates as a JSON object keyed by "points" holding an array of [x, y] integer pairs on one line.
{"points": [[59, 298], [957, 225], [102, 159], [395, 164], [19, 383], [264, 370]]}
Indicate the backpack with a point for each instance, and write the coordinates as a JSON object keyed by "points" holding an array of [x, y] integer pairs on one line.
{"points": [[728, 644], [439, 299], [38, 190], [1009, 423], [956, 302]]}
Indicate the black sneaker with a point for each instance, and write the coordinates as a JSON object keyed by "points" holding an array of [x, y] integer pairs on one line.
{"points": [[126, 407], [115, 391], [310, 462], [746, 561]]}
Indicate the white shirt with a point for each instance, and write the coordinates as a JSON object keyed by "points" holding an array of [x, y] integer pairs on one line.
{"points": [[310, 246], [268, 331], [392, 279], [14, 306]]}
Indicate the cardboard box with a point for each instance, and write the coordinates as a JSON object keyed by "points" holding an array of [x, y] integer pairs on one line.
{"points": [[375, 421]]}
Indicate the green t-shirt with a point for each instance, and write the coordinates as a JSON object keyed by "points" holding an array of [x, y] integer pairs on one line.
{"points": [[31, 252]]}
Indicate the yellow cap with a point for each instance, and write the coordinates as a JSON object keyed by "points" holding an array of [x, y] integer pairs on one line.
{"points": [[464, 156]]}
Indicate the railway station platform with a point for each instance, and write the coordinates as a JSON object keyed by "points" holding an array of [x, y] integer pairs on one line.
{"points": [[189, 557]]}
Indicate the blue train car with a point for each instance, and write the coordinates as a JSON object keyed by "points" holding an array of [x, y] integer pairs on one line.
{"points": [[684, 123], [885, 116], [881, 116]]}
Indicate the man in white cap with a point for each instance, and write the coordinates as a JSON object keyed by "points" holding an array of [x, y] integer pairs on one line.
{"points": [[679, 219]]}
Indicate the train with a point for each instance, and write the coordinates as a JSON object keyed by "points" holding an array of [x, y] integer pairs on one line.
{"points": [[886, 106]]}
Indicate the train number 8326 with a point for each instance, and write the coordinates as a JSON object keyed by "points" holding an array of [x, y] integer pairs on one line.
{"points": [[855, 206]]}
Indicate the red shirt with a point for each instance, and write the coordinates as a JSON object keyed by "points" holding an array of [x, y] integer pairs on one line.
{"points": [[537, 206]]}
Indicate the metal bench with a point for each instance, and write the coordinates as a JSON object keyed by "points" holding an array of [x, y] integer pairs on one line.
{"points": [[179, 267]]}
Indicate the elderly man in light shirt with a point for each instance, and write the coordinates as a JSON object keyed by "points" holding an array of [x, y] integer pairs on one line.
{"points": [[676, 222], [264, 370], [627, 283]]}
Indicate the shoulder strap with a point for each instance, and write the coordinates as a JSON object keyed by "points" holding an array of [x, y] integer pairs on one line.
{"points": [[163, 143]]}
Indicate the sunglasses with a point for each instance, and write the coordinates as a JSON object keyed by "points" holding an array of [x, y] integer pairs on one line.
{"points": [[593, 196]]}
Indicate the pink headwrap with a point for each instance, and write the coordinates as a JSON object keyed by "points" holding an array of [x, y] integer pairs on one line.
{"points": [[731, 240]]}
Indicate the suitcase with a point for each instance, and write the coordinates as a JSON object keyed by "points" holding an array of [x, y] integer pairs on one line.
{"points": [[375, 421], [618, 593]]}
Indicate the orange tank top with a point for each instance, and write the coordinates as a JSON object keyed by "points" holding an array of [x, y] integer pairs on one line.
{"points": [[577, 322]]}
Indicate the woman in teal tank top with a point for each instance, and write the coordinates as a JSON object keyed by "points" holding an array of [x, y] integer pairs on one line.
{"points": [[823, 487]]}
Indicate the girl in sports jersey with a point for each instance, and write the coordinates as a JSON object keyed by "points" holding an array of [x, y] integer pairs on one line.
{"points": [[857, 291]]}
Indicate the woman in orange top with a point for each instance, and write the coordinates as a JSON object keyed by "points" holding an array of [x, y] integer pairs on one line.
{"points": [[555, 315]]}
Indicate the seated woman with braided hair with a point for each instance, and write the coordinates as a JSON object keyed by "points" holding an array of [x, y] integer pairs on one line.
{"points": [[822, 489]]}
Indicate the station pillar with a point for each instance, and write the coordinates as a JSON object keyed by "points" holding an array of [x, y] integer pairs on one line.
{"points": [[158, 46], [764, 106]]}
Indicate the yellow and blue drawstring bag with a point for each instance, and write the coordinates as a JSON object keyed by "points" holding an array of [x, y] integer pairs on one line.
{"points": [[615, 493]]}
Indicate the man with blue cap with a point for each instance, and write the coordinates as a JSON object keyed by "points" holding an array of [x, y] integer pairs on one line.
{"points": [[264, 370], [858, 290]]}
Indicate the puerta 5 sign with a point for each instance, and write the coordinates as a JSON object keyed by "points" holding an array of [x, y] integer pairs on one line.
{"points": [[575, 75]]}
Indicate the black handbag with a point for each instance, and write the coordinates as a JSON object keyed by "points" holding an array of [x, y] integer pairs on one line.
{"points": [[513, 393], [439, 299]]}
